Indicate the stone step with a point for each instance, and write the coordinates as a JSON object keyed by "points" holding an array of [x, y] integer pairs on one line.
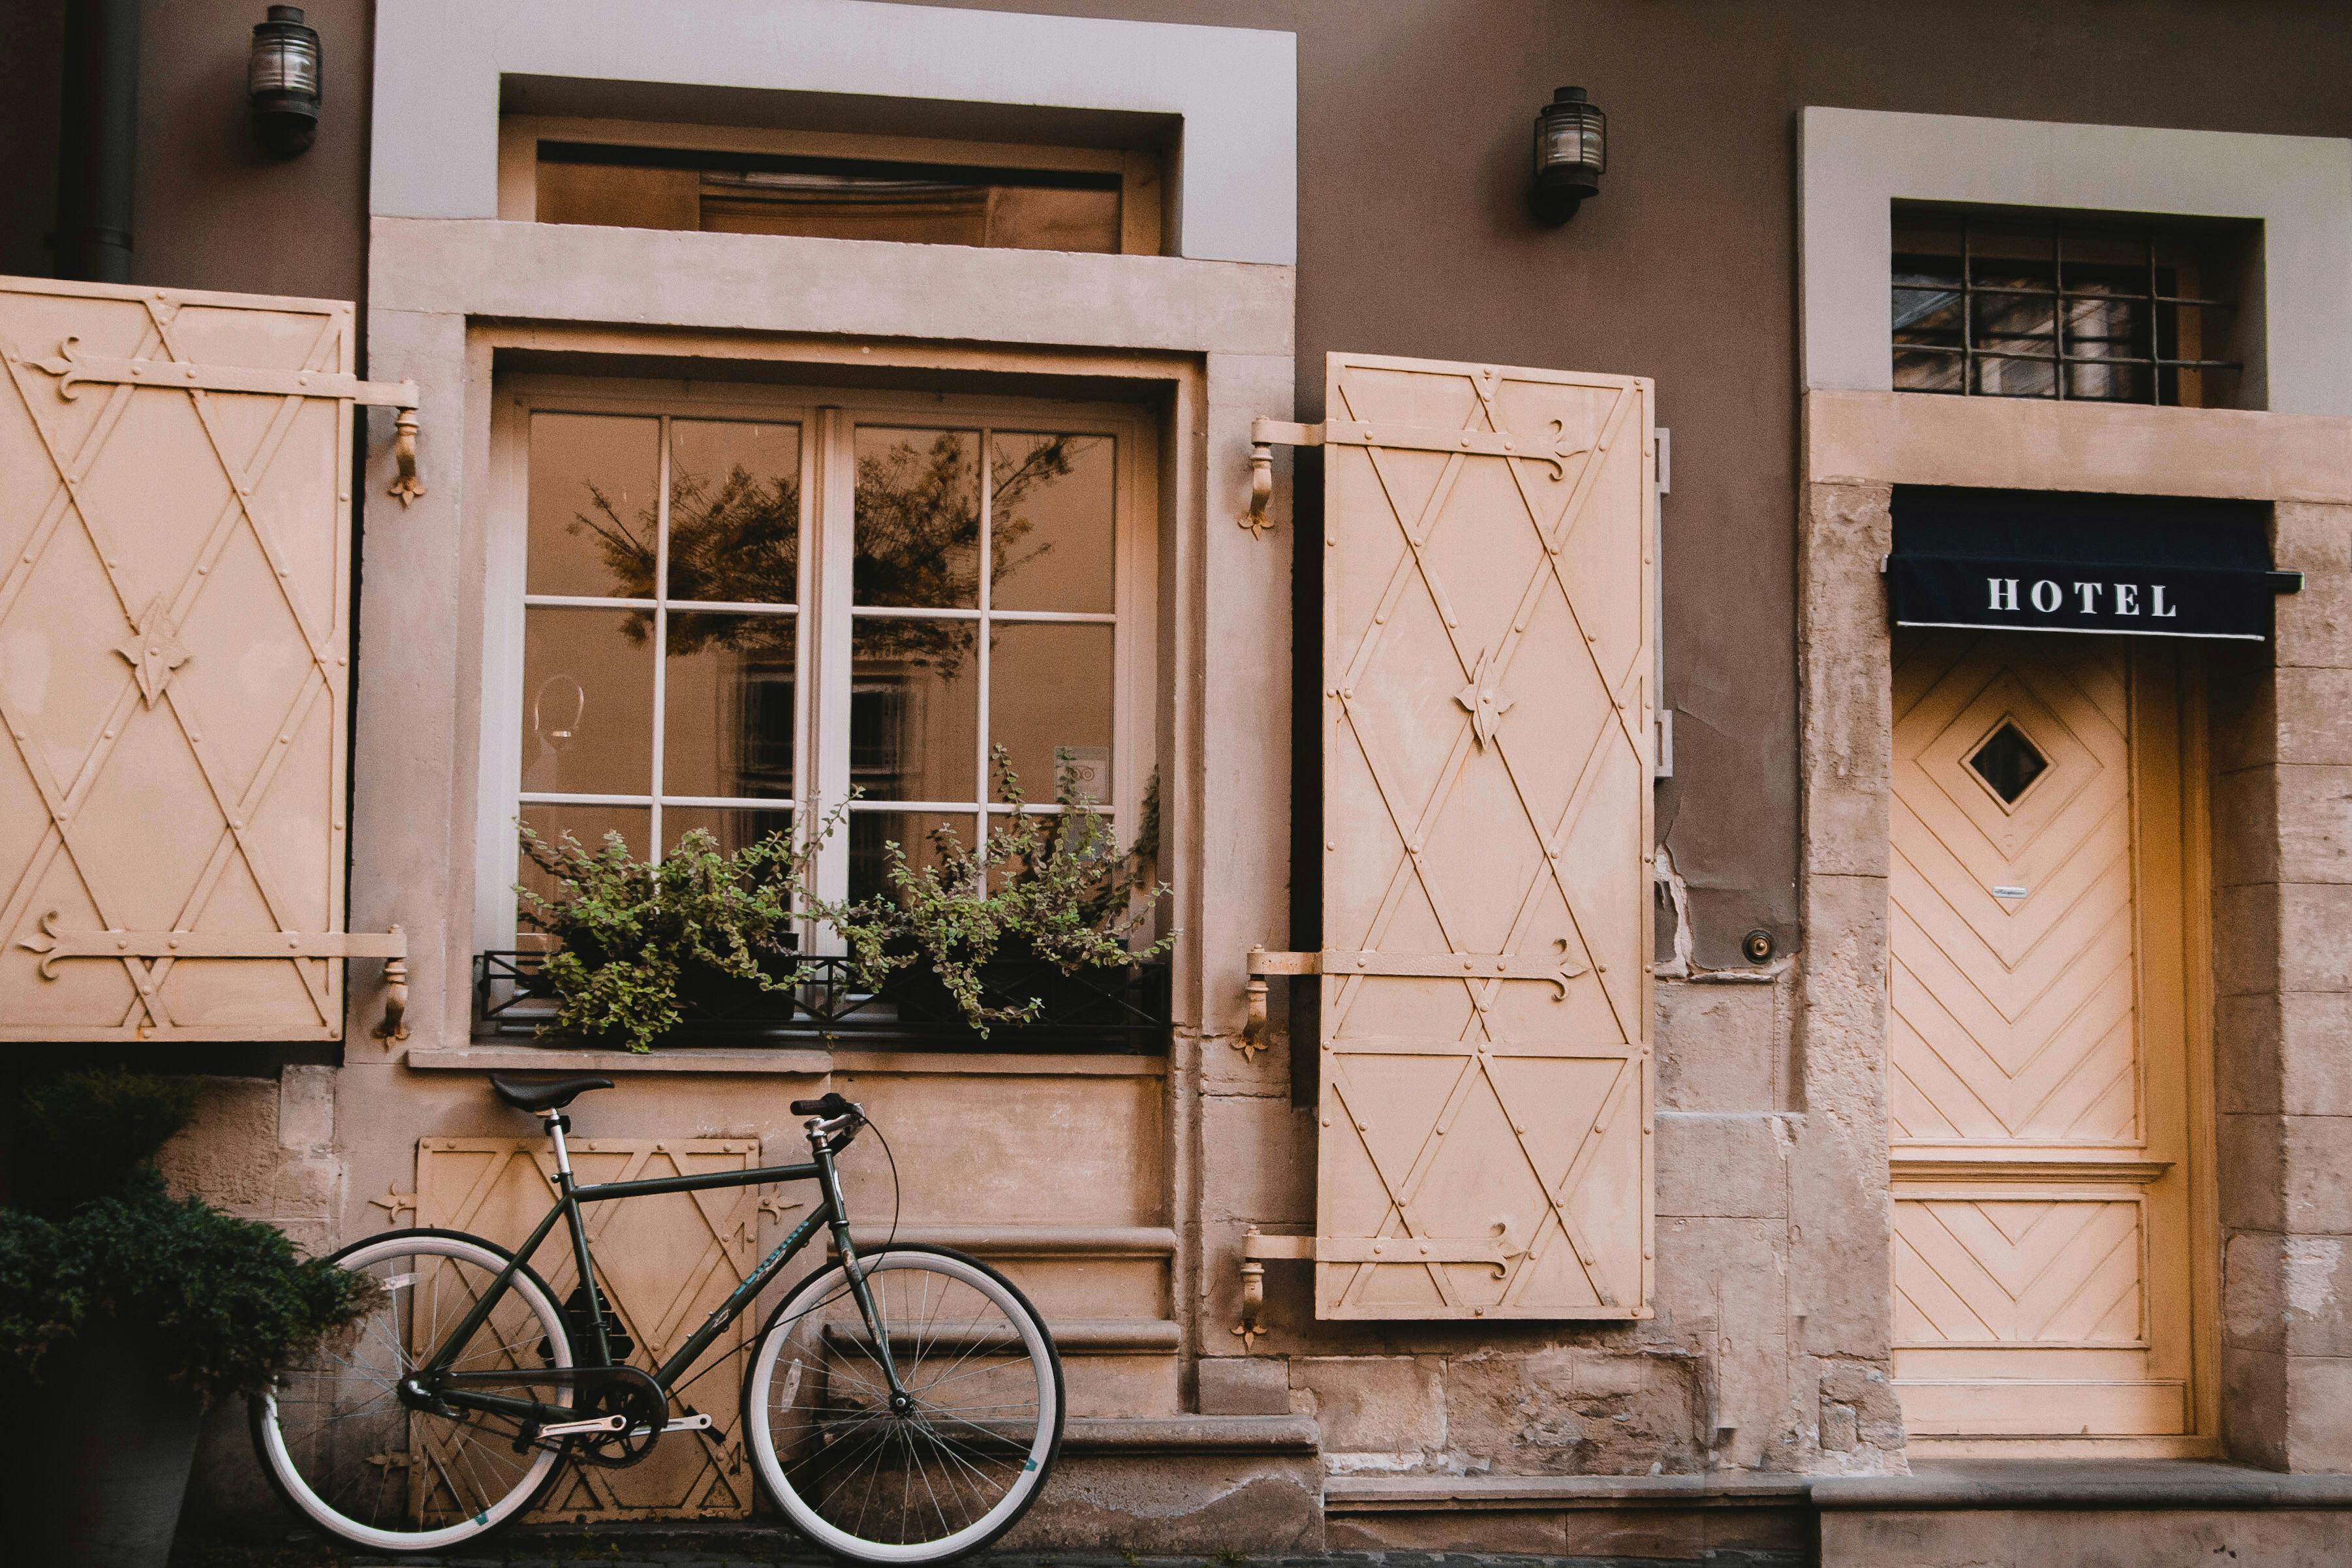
{"points": [[1739, 1518]]}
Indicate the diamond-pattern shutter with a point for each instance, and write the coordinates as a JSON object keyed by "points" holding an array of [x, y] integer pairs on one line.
{"points": [[1487, 1084], [176, 473], [663, 1263]]}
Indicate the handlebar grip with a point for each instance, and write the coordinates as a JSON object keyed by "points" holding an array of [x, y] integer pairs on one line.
{"points": [[830, 1105]]}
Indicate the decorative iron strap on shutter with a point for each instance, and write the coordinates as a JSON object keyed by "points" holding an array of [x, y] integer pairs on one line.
{"points": [[1485, 1145], [175, 473]]}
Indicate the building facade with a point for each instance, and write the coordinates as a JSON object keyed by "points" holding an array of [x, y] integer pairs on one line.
{"points": [[1754, 784]]}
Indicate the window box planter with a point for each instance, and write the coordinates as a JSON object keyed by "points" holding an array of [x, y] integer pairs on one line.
{"points": [[1113, 1010]]}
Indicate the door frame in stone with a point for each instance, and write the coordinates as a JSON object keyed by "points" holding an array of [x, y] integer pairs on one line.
{"points": [[1858, 445]]}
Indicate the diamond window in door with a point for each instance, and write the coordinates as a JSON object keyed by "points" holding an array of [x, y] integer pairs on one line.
{"points": [[2008, 763], [174, 657], [1484, 1147]]}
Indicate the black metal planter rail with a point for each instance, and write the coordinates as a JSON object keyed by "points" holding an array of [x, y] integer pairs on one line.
{"points": [[1121, 1012]]}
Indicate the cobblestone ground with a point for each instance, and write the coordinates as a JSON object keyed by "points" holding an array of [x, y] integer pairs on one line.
{"points": [[756, 1548]]}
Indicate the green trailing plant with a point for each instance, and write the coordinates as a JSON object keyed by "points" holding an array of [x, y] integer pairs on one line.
{"points": [[1054, 887], [225, 1303], [637, 937]]}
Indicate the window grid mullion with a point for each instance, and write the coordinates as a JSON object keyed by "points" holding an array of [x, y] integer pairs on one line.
{"points": [[987, 572], [661, 631]]}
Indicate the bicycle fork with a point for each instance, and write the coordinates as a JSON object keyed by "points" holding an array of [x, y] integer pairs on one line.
{"points": [[821, 1150]]}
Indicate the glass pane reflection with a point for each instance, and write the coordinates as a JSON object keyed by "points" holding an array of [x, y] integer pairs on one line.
{"points": [[871, 834], [914, 710], [1050, 522], [1049, 702], [592, 512], [729, 704], [734, 511], [587, 701], [918, 519]]}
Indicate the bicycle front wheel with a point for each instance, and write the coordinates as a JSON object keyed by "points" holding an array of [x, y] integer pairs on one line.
{"points": [[940, 1469], [343, 1450]]}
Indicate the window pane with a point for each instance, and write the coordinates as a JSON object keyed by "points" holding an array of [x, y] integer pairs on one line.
{"points": [[1049, 697], [587, 701], [729, 705], [2104, 264], [1929, 369], [871, 834], [918, 519], [2012, 260], [733, 830], [914, 710], [593, 518], [2194, 332], [1926, 255], [1927, 316], [2095, 383], [589, 824], [2016, 378], [2015, 323], [2107, 329], [734, 511], [1050, 521]]}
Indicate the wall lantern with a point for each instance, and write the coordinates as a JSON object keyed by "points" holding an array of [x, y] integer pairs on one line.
{"points": [[1572, 150], [282, 81]]}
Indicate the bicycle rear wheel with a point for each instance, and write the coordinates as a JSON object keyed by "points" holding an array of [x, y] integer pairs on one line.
{"points": [[942, 1471], [344, 1451]]}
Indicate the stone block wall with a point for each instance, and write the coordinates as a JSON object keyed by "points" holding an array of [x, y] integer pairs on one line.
{"points": [[2281, 742]]}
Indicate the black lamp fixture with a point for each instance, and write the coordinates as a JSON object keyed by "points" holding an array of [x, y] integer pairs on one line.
{"points": [[1571, 151], [282, 81]]}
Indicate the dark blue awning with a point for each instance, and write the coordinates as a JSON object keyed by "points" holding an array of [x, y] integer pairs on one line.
{"points": [[2032, 560]]}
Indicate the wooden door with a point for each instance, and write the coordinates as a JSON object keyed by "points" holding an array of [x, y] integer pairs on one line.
{"points": [[2039, 1069], [1485, 1140]]}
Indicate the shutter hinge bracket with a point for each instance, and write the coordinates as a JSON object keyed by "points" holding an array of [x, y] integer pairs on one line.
{"points": [[1263, 963], [1266, 434]]}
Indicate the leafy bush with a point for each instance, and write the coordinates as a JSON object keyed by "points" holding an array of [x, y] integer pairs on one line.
{"points": [[225, 1302], [633, 932], [1055, 887]]}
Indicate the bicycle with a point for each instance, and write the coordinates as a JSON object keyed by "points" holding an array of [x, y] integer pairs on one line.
{"points": [[904, 1406]]}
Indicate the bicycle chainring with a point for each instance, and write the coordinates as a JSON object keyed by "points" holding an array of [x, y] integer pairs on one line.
{"points": [[621, 1391]]}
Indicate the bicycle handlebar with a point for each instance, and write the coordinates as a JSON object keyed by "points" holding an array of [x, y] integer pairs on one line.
{"points": [[830, 1105]]}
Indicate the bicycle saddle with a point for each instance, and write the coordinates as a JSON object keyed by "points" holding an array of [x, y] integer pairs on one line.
{"points": [[544, 1093]]}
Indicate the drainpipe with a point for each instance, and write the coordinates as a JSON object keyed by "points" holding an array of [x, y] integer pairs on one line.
{"points": [[97, 140]]}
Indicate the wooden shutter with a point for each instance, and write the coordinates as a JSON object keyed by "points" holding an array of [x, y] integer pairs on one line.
{"points": [[1484, 1147], [176, 473]]}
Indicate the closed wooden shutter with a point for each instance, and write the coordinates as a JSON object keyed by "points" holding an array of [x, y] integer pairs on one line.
{"points": [[176, 473], [1485, 1141]]}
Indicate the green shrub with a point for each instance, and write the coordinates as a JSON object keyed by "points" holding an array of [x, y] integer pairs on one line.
{"points": [[633, 932], [1054, 886], [225, 1302]]}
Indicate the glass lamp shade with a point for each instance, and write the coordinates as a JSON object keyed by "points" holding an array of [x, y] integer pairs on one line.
{"points": [[1571, 148], [281, 80]]}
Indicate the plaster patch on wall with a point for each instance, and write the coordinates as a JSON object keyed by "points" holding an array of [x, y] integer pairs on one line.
{"points": [[2312, 1263]]}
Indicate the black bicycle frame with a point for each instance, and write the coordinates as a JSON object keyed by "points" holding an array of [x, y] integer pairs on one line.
{"points": [[436, 1373]]}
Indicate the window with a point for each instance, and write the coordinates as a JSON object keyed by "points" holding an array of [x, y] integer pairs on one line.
{"points": [[1989, 305], [725, 608]]}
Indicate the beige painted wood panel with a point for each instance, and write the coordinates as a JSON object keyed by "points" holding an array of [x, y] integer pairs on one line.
{"points": [[175, 474], [1484, 1147], [2037, 1081], [663, 1263]]}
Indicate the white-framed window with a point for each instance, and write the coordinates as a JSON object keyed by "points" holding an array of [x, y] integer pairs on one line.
{"points": [[730, 608]]}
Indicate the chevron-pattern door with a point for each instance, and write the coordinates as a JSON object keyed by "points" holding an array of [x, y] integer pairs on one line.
{"points": [[1485, 1141], [2037, 1072], [175, 474]]}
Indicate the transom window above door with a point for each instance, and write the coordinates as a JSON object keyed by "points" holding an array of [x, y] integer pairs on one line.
{"points": [[726, 614], [2005, 305]]}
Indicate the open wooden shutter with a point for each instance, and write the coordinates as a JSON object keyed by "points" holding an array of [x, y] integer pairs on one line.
{"points": [[1484, 1147], [176, 473]]}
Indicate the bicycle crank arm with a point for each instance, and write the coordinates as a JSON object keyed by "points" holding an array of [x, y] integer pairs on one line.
{"points": [[689, 1422], [577, 1428]]}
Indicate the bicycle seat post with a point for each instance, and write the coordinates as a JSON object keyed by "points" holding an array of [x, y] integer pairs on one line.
{"points": [[558, 1123]]}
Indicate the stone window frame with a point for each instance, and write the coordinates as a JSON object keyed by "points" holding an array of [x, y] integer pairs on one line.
{"points": [[1206, 335], [1855, 164]]}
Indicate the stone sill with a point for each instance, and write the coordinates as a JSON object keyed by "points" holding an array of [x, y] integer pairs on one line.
{"points": [[1192, 1434], [2083, 1484], [782, 1059], [1736, 1488]]}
